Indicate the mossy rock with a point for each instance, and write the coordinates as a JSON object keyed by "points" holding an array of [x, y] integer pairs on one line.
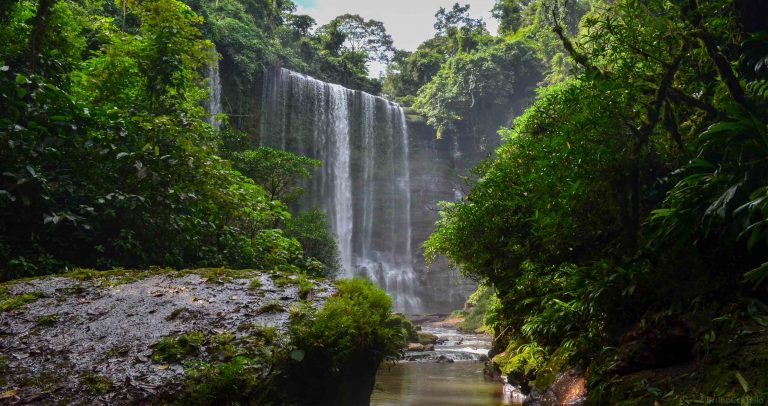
{"points": [[410, 330], [427, 338]]}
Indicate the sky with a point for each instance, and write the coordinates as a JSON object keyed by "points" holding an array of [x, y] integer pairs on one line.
{"points": [[408, 21]]}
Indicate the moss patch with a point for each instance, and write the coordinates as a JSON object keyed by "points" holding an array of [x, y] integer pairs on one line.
{"points": [[282, 280], [98, 384], [174, 349], [3, 370], [407, 329], [176, 313], [13, 302], [237, 381], [271, 307], [48, 320], [426, 338]]}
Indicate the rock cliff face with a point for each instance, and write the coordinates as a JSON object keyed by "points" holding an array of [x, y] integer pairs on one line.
{"points": [[128, 337], [440, 170]]}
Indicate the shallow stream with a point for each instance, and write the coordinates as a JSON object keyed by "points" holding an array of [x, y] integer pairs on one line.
{"points": [[429, 378]]}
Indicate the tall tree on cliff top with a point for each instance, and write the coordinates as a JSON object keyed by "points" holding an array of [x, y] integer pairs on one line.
{"points": [[360, 35]]}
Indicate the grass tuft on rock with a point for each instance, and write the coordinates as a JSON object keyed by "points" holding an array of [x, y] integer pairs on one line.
{"points": [[48, 320], [174, 349], [14, 302], [271, 307], [100, 385]]}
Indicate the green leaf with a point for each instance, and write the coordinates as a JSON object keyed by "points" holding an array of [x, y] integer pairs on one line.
{"points": [[297, 355], [21, 79], [742, 381], [757, 275], [701, 163]]}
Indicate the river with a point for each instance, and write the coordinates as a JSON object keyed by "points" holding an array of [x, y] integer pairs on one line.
{"points": [[452, 374]]}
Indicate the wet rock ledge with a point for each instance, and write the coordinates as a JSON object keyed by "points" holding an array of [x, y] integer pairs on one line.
{"points": [[126, 337]]}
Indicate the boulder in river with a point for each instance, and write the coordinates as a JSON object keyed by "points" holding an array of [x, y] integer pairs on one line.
{"points": [[415, 347], [443, 359], [427, 338]]}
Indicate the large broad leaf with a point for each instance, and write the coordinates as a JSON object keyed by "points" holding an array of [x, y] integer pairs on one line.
{"points": [[757, 275], [720, 206], [297, 355]]}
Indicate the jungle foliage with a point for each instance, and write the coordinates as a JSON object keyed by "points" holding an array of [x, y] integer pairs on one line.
{"points": [[623, 219], [358, 325], [467, 80], [105, 152]]}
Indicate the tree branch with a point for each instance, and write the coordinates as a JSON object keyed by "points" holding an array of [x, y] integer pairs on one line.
{"points": [[40, 28], [680, 97], [578, 57], [721, 63]]}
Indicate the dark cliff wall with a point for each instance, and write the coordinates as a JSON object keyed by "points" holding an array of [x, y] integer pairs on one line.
{"points": [[439, 172]]}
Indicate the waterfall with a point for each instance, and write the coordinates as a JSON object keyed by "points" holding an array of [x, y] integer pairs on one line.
{"points": [[342, 183], [369, 132], [364, 185], [214, 97]]}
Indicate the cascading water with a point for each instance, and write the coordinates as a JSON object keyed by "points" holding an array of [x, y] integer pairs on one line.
{"points": [[342, 183], [214, 97], [364, 184]]}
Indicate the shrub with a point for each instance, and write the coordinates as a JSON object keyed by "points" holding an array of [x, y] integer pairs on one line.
{"points": [[354, 323]]}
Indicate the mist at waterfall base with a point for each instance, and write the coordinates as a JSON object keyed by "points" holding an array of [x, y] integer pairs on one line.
{"points": [[365, 183]]}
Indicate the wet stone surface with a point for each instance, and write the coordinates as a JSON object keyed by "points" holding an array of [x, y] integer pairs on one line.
{"points": [[90, 338]]}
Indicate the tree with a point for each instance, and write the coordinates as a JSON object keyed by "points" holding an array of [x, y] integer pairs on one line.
{"points": [[455, 18], [509, 14], [301, 24], [310, 229], [409, 71], [362, 35], [628, 200], [464, 33], [481, 89], [278, 172]]}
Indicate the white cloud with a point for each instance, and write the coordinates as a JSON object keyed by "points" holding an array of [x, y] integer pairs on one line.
{"points": [[408, 21]]}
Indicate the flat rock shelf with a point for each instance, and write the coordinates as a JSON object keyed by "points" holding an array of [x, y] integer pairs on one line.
{"points": [[92, 337]]}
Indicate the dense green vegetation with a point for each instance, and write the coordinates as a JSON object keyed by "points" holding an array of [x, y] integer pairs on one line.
{"points": [[107, 158], [466, 80], [623, 220]]}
